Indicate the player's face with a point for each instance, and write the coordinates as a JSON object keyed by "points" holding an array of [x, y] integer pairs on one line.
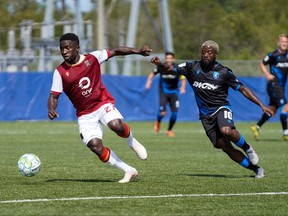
{"points": [[283, 43], [69, 51], [169, 59], [208, 56]]}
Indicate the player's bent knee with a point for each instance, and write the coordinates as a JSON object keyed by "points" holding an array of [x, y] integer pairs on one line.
{"points": [[96, 146], [226, 131], [116, 125], [163, 113]]}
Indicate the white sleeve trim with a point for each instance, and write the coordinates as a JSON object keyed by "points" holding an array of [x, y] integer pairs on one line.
{"points": [[57, 85], [101, 56]]}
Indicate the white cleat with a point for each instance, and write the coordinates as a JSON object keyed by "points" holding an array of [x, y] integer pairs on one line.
{"points": [[252, 155], [129, 176], [138, 148], [260, 173]]}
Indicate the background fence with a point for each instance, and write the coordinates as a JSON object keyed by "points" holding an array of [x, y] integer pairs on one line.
{"points": [[24, 97]]}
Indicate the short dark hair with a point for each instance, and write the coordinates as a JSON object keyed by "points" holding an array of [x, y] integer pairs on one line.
{"points": [[70, 36], [170, 53]]}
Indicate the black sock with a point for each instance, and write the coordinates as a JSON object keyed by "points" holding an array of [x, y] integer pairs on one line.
{"points": [[283, 119], [252, 167], [171, 124], [263, 119]]}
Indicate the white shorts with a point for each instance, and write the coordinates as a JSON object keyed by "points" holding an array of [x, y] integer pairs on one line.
{"points": [[90, 125]]}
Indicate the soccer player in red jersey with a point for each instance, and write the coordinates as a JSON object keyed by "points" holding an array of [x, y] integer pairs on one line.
{"points": [[79, 76]]}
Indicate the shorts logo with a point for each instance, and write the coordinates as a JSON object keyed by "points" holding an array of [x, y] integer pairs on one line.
{"points": [[216, 75], [84, 84]]}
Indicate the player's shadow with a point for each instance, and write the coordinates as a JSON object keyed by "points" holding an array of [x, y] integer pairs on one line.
{"points": [[217, 175], [79, 180]]}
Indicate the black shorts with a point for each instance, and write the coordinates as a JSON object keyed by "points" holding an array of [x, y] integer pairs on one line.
{"points": [[172, 99], [276, 94], [212, 124]]}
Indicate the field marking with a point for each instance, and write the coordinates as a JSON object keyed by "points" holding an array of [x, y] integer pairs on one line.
{"points": [[143, 197]]}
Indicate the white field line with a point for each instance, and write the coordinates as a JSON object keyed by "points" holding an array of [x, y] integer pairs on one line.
{"points": [[144, 197]]}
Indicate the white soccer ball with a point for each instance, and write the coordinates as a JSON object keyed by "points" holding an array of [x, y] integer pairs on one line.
{"points": [[29, 165]]}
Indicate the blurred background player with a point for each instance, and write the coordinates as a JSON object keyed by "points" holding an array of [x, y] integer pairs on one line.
{"points": [[278, 64], [210, 82], [168, 93], [79, 76]]}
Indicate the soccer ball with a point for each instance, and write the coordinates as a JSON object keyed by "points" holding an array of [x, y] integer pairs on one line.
{"points": [[29, 165]]}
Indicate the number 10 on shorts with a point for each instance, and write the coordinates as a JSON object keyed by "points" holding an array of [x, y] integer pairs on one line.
{"points": [[228, 115]]}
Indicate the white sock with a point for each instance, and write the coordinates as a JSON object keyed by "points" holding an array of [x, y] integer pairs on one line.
{"points": [[285, 132], [119, 164], [130, 139]]}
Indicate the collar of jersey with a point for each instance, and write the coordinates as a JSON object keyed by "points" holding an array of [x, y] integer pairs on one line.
{"points": [[81, 59]]}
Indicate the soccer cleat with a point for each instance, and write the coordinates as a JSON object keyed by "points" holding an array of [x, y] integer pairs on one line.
{"points": [[260, 173], [252, 155], [138, 148], [170, 133], [129, 176], [157, 127], [285, 135], [255, 132]]}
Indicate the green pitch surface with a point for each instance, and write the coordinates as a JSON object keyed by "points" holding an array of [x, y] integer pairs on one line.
{"points": [[184, 175]]}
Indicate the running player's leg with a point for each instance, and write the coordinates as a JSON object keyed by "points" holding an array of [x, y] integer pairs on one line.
{"points": [[91, 133], [111, 117], [174, 106], [283, 119], [163, 99], [219, 141], [228, 130], [264, 118]]}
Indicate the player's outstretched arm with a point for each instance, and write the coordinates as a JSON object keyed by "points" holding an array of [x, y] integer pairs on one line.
{"points": [[252, 97], [52, 105], [121, 51], [163, 67]]}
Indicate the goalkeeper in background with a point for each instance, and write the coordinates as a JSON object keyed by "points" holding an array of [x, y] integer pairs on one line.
{"points": [[168, 93]]}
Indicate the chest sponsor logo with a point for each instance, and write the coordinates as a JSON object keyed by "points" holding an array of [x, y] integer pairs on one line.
{"points": [[216, 75], [168, 76], [282, 65], [207, 86], [84, 85]]}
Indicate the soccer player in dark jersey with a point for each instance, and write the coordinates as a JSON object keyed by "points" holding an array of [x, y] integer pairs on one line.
{"points": [[168, 93], [210, 82], [79, 76], [278, 63]]}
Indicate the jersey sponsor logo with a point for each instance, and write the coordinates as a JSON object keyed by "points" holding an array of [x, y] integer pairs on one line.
{"points": [[207, 86], [282, 65], [169, 76], [84, 84], [216, 75]]}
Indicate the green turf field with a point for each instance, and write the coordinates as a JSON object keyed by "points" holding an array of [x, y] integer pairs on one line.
{"points": [[186, 164]]}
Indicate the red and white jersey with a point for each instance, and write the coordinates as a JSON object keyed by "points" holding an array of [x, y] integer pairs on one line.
{"points": [[82, 82]]}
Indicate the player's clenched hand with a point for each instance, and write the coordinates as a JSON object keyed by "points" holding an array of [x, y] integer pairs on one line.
{"points": [[268, 111], [155, 60], [52, 114], [145, 50]]}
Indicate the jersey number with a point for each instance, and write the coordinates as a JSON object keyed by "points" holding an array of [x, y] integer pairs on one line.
{"points": [[227, 115], [109, 108]]}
